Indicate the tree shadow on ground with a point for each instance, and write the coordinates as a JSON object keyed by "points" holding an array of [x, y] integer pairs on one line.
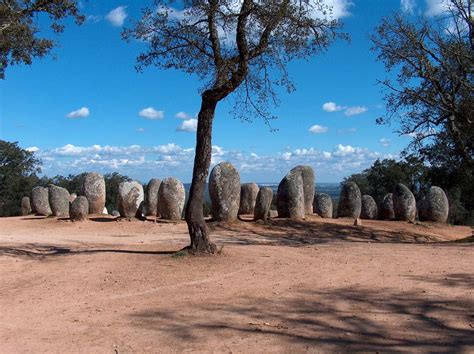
{"points": [[42, 251], [334, 319], [307, 232]]}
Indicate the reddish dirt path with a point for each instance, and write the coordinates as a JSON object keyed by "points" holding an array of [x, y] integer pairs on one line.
{"points": [[306, 286]]}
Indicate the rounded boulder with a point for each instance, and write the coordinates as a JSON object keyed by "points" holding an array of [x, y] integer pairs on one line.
{"points": [[386, 208], [307, 174], [94, 190], [404, 203], [25, 206], [263, 204], [224, 191], [369, 208], [290, 196], [152, 197], [130, 197], [79, 209], [59, 201], [322, 205], [171, 196], [434, 206], [248, 197], [350, 201], [40, 201]]}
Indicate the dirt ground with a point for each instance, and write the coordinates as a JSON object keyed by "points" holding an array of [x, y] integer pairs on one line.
{"points": [[316, 285]]}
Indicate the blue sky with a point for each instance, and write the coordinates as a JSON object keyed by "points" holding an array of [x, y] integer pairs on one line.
{"points": [[87, 109]]}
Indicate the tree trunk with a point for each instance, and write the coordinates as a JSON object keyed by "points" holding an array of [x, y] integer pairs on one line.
{"points": [[198, 231]]}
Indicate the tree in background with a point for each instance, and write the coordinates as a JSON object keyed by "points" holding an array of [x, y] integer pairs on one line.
{"points": [[432, 95], [19, 40], [112, 182], [18, 169], [238, 46]]}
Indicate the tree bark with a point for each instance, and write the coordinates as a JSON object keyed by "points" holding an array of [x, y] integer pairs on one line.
{"points": [[198, 231]]}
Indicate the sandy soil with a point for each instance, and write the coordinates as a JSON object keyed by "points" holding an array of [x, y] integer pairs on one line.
{"points": [[316, 285]]}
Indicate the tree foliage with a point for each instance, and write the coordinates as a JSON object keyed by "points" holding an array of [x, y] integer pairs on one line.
{"points": [[432, 95], [20, 39], [18, 169]]}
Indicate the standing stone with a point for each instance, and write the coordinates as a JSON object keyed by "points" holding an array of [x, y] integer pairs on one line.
{"points": [[72, 196], [248, 197], [434, 206], [386, 208], [79, 209], [290, 196], [322, 205], [94, 190], [171, 196], [404, 203], [25, 206], [115, 213], [369, 209], [309, 181], [40, 201], [350, 201], [224, 190], [263, 204], [152, 197], [129, 198], [59, 201]]}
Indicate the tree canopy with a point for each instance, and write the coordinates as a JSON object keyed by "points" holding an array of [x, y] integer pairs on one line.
{"points": [[432, 94], [20, 39]]}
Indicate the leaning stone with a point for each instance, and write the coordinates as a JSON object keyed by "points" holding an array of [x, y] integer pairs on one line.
{"points": [[40, 201], [263, 204], [322, 205], [272, 214], [386, 208], [59, 201], [25, 206], [248, 197], [369, 209], [224, 190], [434, 206], [152, 197], [115, 213], [129, 198], [307, 173], [290, 196], [350, 201], [404, 203], [79, 209], [94, 190], [171, 196]]}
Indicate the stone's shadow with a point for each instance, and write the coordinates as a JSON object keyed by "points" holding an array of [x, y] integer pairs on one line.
{"points": [[41, 251], [103, 219], [454, 280], [342, 319], [287, 232]]}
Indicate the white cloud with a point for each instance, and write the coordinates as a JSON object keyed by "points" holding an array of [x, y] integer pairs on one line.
{"points": [[188, 125], [352, 111], [342, 150], [340, 8], [32, 149], [117, 16], [183, 115], [436, 7], [317, 129], [332, 107], [140, 130], [151, 113], [384, 142], [79, 113], [407, 6]]}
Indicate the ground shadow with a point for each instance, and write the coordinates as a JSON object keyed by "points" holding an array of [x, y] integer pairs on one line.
{"points": [[42, 251], [307, 232], [334, 319]]}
